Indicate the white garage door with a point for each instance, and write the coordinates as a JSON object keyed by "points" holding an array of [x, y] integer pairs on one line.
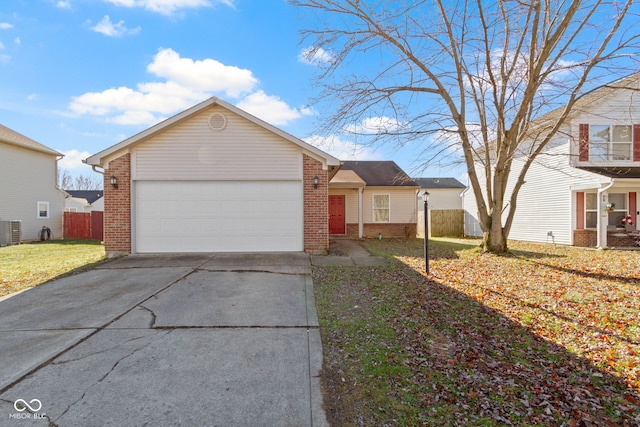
{"points": [[218, 216]]}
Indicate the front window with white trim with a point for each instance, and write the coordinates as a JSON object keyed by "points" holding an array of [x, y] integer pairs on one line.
{"points": [[43, 210], [591, 210], [610, 142], [381, 204]]}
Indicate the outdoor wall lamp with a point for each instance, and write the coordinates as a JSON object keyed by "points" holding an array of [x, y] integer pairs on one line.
{"points": [[114, 181], [316, 180]]}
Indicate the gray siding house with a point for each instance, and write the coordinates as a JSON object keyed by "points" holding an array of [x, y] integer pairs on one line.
{"points": [[29, 192]]}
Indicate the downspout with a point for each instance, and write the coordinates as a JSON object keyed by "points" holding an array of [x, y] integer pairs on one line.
{"points": [[360, 225], [602, 229]]}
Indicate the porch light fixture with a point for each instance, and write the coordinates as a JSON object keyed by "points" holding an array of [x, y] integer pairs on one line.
{"points": [[114, 181], [316, 180]]}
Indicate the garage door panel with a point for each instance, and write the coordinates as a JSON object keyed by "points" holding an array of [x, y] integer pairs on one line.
{"points": [[218, 216]]}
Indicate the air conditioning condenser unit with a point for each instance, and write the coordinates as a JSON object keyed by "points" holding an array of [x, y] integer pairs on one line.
{"points": [[10, 232]]}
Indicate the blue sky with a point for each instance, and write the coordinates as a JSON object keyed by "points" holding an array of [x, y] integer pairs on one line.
{"points": [[82, 75]]}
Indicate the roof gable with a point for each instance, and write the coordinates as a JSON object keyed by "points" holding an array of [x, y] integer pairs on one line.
{"points": [[12, 137], [380, 173], [99, 158]]}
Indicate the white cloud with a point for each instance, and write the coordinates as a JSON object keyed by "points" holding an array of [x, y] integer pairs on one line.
{"points": [[375, 125], [271, 109], [185, 83], [110, 29], [17, 41], [63, 4], [169, 7], [5, 59], [316, 56], [341, 149], [207, 75], [72, 159], [32, 97], [5, 26]]}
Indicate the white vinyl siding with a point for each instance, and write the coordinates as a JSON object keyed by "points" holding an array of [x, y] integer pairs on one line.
{"points": [[28, 177], [190, 150], [218, 216], [616, 113], [402, 204], [545, 201]]}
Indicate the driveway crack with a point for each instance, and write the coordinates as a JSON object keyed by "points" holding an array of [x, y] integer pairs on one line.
{"points": [[109, 372], [152, 323]]}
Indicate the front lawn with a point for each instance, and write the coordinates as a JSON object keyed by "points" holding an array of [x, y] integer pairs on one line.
{"points": [[30, 264], [549, 335]]}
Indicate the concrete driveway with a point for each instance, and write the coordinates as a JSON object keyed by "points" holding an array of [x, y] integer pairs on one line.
{"points": [[224, 339]]}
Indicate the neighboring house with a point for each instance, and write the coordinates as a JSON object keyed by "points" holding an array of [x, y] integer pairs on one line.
{"points": [[84, 201], [592, 163], [29, 192], [368, 198], [215, 179], [444, 193]]}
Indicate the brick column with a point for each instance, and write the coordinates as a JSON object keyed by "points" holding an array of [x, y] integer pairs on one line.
{"points": [[117, 207], [316, 209]]}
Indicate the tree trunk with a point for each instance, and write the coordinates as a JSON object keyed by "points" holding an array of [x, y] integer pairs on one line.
{"points": [[494, 240]]}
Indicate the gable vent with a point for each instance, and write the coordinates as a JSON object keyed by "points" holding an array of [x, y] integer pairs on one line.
{"points": [[217, 121]]}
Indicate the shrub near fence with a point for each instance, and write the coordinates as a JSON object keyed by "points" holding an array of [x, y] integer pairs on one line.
{"points": [[446, 223]]}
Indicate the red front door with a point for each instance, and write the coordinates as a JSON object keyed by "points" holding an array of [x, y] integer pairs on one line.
{"points": [[336, 215]]}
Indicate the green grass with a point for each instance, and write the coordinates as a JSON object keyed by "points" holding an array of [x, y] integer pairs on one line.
{"points": [[31, 264], [483, 339]]}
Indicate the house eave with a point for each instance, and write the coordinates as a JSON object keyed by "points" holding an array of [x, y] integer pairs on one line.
{"points": [[632, 172]]}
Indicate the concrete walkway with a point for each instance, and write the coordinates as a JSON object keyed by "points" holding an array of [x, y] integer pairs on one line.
{"points": [[355, 255], [225, 339]]}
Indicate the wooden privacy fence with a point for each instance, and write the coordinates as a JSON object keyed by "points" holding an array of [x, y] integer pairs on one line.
{"points": [[83, 225], [446, 223]]}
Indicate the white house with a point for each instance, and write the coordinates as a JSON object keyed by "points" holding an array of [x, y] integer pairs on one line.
{"points": [[586, 182], [84, 201], [29, 192], [444, 193]]}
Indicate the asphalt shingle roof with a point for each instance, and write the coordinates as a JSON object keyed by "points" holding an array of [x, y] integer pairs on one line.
{"points": [[380, 173]]}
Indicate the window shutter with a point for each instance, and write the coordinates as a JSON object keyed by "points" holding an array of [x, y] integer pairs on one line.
{"points": [[583, 145], [633, 205], [580, 210], [636, 143]]}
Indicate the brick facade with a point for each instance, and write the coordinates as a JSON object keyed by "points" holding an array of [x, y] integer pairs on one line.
{"points": [[589, 239], [316, 210], [585, 238], [387, 230], [117, 207]]}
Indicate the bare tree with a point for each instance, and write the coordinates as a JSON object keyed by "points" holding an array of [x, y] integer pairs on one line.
{"points": [[65, 180], [468, 78], [79, 182]]}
